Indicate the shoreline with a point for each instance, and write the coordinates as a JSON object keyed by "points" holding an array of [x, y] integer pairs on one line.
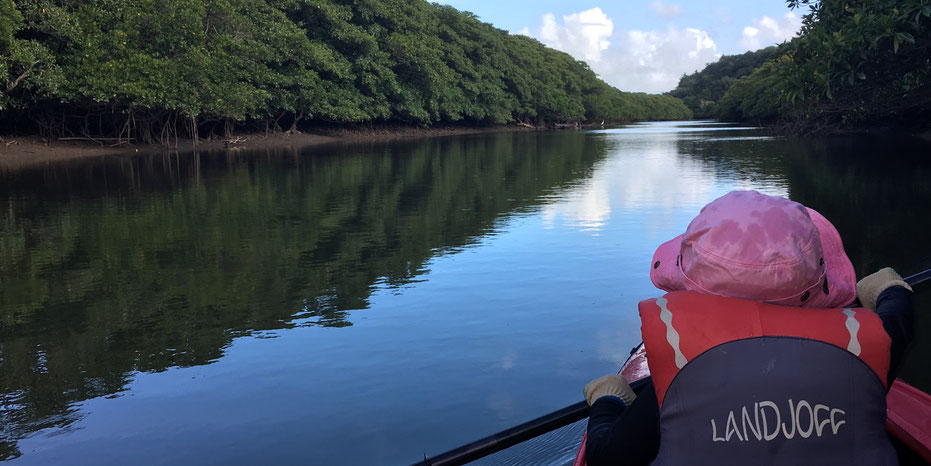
{"points": [[29, 151]]}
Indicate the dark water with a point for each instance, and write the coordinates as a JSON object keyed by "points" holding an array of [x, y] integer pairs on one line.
{"points": [[367, 304]]}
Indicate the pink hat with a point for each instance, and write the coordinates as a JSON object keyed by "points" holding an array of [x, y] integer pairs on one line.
{"points": [[753, 246]]}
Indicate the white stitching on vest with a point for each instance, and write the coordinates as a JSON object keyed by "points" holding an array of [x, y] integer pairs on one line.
{"points": [[853, 326], [672, 336]]}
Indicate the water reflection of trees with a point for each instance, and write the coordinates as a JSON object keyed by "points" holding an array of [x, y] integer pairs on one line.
{"points": [[877, 193], [874, 189], [131, 265]]}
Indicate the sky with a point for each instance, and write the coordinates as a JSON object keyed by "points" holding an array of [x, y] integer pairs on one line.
{"points": [[646, 45]]}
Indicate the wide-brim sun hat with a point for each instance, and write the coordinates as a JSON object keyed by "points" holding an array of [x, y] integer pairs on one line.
{"points": [[753, 246]]}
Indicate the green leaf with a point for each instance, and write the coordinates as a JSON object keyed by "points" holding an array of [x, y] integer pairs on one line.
{"points": [[926, 11]]}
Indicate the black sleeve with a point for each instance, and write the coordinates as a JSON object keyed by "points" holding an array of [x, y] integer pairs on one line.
{"points": [[894, 307], [619, 435]]}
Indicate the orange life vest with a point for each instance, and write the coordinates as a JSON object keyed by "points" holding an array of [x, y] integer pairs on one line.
{"points": [[746, 381]]}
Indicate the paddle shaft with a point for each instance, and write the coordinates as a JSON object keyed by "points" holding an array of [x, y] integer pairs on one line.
{"points": [[918, 278], [510, 437], [550, 422]]}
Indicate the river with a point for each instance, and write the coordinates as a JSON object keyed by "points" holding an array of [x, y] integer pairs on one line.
{"points": [[369, 303]]}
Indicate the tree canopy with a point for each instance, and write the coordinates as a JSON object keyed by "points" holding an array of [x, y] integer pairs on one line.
{"points": [[854, 64], [702, 89], [149, 70]]}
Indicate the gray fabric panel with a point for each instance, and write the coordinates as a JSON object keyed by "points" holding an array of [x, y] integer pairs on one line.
{"points": [[817, 377]]}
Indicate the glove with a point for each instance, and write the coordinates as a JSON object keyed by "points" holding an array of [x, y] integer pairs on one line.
{"points": [[871, 286], [610, 385]]}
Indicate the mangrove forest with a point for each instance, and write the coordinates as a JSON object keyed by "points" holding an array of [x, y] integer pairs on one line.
{"points": [[854, 65], [152, 71]]}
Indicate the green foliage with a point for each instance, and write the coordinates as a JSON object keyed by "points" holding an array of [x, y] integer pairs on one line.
{"points": [[26, 66], [700, 91], [10, 21], [138, 66], [860, 62], [854, 64], [761, 96]]}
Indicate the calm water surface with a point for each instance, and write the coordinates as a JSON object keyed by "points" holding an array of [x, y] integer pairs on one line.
{"points": [[366, 304]]}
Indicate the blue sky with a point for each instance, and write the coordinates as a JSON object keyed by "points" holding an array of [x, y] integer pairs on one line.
{"points": [[643, 45]]}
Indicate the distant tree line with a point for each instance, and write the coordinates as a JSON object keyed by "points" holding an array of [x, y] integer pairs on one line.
{"points": [[701, 90], [855, 64], [152, 70]]}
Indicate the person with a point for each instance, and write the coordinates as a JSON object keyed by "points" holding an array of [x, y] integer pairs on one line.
{"points": [[756, 355]]}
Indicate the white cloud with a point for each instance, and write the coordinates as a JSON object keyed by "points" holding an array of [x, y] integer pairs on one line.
{"points": [[525, 31], [633, 60], [767, 31], [653, 61], [664, 10], [583, 35], [587, 207], [623, 184]]}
